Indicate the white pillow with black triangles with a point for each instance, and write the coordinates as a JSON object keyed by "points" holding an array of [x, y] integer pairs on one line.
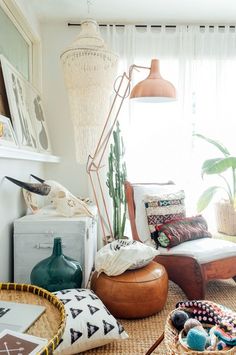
{"points": [[89, 323]]}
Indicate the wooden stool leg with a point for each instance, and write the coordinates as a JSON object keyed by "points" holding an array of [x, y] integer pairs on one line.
{"points": [[155, 345]]}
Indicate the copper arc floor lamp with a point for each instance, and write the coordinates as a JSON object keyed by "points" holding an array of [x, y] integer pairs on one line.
{"points": [[153, 89]]}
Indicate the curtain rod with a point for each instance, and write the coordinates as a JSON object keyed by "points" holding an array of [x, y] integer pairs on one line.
{"points": [[152, 26]]}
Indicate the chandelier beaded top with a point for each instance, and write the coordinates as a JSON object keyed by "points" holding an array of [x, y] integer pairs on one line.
{"points": [[89, 71]]}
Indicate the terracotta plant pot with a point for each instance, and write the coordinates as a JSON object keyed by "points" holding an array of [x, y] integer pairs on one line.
{"points": [[225, 218]]}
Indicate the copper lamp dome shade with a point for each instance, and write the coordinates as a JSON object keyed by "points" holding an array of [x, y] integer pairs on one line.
{"points": [[154, 88]]}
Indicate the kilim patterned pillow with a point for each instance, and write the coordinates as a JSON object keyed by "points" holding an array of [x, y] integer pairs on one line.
{"points": [[180, 231], [89, 324], [164, 208]]}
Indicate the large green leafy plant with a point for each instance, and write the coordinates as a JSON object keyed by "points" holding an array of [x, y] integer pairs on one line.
{"points": [[218, 166], [116, 177]]}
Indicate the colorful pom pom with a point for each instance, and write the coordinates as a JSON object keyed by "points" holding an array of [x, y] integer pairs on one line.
{"points": [[196, 339], [178, 319]]}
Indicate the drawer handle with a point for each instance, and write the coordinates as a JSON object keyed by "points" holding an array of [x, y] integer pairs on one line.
{"points": [[46, 245]]}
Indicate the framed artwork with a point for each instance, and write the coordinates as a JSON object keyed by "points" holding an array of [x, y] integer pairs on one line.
{"points": [[7, 134], [22, 344], [4, 108], [26, 110], [38, 118]]}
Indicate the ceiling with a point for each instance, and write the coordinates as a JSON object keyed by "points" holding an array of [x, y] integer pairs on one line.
{"points": [[137, 11]]}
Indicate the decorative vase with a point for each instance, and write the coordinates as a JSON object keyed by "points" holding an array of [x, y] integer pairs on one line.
{"points": [[225, 218], [57, 272]]}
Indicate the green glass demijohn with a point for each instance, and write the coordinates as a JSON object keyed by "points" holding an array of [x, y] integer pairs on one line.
{"points": [[57, 272]]}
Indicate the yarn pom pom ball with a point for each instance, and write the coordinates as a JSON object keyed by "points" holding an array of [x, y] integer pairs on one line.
{"points": [[191, 323], [196, 339], [221, 345], [178, 319]]}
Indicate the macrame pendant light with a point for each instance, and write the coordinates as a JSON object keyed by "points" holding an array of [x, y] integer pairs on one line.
{"points": [[89, 70]]}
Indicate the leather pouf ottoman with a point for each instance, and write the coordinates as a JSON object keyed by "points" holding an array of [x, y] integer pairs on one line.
{"points": [[135, 293]]}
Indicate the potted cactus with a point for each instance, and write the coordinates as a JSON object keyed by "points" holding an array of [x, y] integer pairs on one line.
{"points": [[225, 209], [116, 177]]}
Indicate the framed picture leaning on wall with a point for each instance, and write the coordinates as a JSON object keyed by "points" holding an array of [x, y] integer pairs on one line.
{"points": [[4, 107], [38, 117], [26, 110], [17, 96], [7, 135]]}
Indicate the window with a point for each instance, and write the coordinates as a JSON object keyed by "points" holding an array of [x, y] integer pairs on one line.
{"points": [[14, 44], [201, 62]]}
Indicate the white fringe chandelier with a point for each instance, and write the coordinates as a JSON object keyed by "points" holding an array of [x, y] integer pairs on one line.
{"points": [[89, 70]]}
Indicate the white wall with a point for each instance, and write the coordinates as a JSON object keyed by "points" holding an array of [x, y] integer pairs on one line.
{"points": [[26, 9], [55, 38], [12, 205]]}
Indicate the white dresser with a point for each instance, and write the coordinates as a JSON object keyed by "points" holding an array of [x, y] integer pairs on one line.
{"points": [[33, 241]]}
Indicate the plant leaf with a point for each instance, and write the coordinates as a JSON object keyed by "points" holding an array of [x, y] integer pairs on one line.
{"points": [[217, 166], [207, 165], [206, 197], [217, 144]]}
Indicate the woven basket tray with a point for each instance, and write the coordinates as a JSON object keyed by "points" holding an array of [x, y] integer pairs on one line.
{"points": [[225, 218], [51, 323], [174, 347]]}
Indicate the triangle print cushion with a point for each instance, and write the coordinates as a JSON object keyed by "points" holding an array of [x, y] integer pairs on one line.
{"points": [[89, 324]]}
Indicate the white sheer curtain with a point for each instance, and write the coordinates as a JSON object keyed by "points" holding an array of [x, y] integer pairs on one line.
{"points": [[201, 63]]}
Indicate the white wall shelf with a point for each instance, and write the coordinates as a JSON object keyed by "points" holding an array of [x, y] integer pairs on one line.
{"points": [[16, 153]]}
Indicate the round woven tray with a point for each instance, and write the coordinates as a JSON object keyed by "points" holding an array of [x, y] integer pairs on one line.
{"points": [[51, 323], [174, 346]]}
